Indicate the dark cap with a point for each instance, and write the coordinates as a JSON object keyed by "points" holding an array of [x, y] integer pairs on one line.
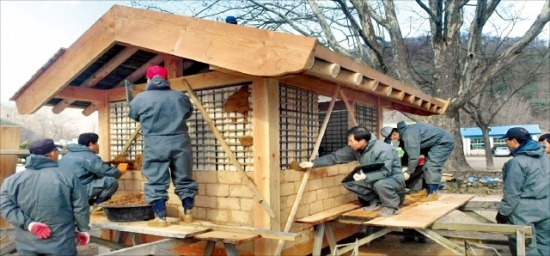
{"points": [[517, 133], [231, 20], [42, 147]]}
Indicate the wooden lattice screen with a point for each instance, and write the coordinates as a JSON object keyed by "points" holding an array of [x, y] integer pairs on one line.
{"points": [[121, 128], [299, 125], [335, 134], [235, 127]]}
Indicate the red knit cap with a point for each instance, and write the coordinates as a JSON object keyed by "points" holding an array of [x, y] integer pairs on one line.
{"points": [[156, 71]]}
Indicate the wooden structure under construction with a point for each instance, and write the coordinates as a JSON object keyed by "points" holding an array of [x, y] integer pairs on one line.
{"points": [[256, 95]]}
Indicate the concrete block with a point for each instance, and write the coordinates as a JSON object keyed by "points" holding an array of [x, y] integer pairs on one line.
{"points": [[313, 185], [229, 178], [241, 217], [220, 190], [247, 204], [334, 192], [240, 191], [200, 212], [132, 185], [205, 201], [289, 201], [287, 189], [329, 203], [228, 203], [309, 197], [207, 177], [303, 211], [321, 194], [291, 175], [218, 216], [316, 207]]}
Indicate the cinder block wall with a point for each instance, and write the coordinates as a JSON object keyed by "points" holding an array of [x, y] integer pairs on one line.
{"points": [[323, 191]]}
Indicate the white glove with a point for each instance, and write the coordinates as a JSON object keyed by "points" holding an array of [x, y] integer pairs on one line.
{"points": [[359, 176], [406, 173], [305, 165]]}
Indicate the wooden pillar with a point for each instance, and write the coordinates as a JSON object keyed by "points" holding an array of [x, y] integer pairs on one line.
{"points": [[265, 125], [104, 124], [10, 140]]}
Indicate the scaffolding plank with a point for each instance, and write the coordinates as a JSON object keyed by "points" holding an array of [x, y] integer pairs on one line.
{"points": [[174, 230], [418, 215]]}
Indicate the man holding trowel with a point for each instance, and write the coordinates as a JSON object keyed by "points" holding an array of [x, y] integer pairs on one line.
{"points": [[167, 154], [99, 178]]}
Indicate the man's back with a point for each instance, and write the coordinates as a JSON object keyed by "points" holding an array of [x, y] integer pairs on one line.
{"points": [[160, 110]]}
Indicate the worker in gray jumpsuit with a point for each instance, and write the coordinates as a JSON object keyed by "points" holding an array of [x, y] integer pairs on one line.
{"points": [[99, 178], [167, 152], [435, 143], [526, 191], [386, 184], [45, 205]]}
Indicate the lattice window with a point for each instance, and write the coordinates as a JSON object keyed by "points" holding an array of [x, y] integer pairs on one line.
{"points": [[366, 116], [299, 125], [339, 124], [121, 128], [208, 154]]}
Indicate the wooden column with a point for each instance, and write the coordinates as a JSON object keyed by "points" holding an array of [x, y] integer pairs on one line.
{"points": [[104, 124], [10, 140], [265, 125]]}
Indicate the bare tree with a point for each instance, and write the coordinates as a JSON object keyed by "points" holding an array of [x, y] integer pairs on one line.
{"points": [[365, 29]]}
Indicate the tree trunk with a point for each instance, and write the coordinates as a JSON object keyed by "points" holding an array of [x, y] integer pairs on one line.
{"points": [[489, 164], [451, 123]]}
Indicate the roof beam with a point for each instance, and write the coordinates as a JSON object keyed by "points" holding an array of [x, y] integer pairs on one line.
{"points": [[208, 80], [324, 69], [88, 47], [104, 71], [254, 51]]}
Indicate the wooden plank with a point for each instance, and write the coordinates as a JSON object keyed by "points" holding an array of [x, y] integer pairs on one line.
{"points": [[90, 109], [174, 230], [330, 214], [324, 69], [240, 48], [259, 197], [208, 80], [266, 154], [416, 215], [456, 249], [265, 233], [161, 247], [483, 227], [104, 130], [82, 94], [490, 202], [351, 111], [227, 237]]}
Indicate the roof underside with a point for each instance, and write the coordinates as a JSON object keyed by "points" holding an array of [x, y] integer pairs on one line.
{"points": [[123, 43]]}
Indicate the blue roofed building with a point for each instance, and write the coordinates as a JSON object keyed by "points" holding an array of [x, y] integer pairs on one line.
{"points": [[472, 138]]}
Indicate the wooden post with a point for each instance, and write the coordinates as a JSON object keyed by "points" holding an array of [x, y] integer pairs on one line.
{"points": [[302, 187], [104, 133], [8, 163], [265, 95]]}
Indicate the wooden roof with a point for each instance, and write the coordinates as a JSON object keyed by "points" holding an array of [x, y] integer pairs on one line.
{"points": [[125, 41]]}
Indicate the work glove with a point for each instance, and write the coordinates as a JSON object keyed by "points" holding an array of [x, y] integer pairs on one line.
{"points": [[501, 219], [406, 173], [40, 230], [82, 238], [123, 167], [359, 176], [305, 165]]}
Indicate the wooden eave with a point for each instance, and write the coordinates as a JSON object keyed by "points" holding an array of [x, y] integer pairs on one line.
{"points": [[125, 41]]}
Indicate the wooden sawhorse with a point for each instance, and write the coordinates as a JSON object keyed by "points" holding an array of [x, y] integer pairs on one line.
{"points": [[230, 241]]}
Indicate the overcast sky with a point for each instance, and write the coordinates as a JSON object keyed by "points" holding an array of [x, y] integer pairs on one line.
{"points": [[32, 31]]}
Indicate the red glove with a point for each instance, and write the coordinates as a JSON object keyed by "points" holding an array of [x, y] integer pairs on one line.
{"points": [[82, 238], [40, 230]]}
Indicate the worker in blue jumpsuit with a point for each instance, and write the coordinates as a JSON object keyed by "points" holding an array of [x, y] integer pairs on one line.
{"points": [[47, 207], [99, 178], [435, 143], [526, 191], [386, 184], [167, 152]]}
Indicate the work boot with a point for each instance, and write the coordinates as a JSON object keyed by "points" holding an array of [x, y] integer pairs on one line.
{"points": [[374, 204], [432, 193], [387, 212], [420, 194], [187, 206], [159, 209]]}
